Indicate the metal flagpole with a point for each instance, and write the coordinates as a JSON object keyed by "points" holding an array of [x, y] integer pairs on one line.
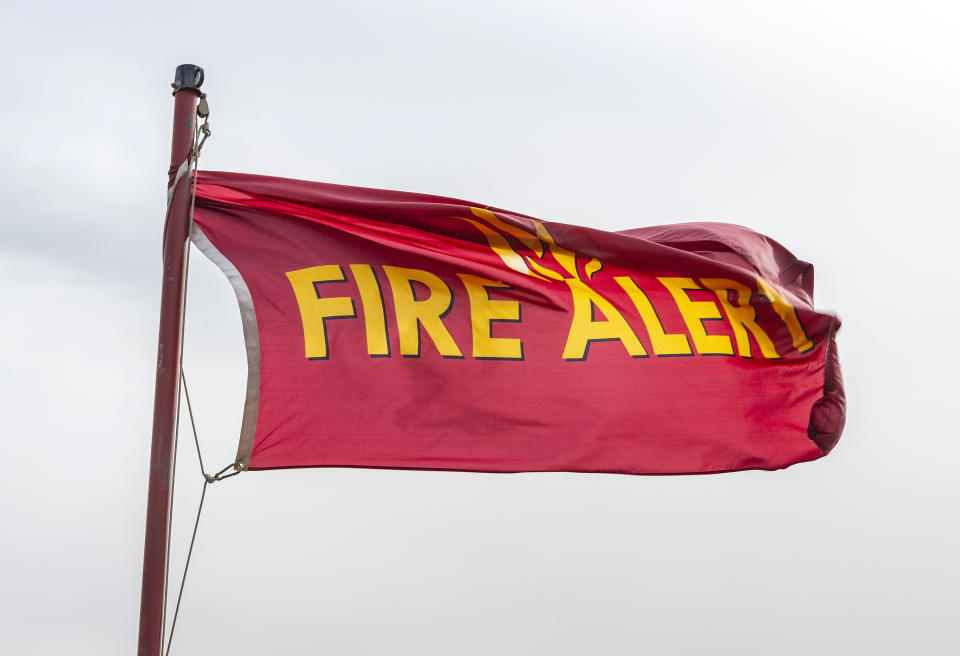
{"points": [[186, 92]]}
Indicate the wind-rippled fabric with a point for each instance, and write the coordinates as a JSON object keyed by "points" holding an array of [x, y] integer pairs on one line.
{"points": [[402, 330]]}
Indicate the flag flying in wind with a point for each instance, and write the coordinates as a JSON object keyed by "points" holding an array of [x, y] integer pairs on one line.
{"points": [[401, 330]]}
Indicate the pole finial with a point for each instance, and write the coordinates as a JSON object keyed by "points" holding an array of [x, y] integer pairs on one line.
{"points": [[188, 76]]}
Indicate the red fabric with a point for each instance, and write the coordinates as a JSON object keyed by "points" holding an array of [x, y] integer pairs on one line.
{"points": [[608, 412]]}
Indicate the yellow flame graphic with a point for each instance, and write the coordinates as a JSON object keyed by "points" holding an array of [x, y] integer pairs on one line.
{"points": [[534, 263]]}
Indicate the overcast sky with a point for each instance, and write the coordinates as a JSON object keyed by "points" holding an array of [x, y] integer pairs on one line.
{"points": [[830, 126]]}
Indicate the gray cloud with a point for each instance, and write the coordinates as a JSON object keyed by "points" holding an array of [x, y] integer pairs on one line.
{"points": [[829, 126]]}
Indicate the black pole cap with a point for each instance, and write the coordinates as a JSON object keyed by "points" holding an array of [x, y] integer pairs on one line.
{"points": [[188, 76]]}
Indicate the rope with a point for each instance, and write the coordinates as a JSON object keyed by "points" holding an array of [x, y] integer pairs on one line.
{"points": [[189, 165], [193, 425], [186, 567], [209, 478]]}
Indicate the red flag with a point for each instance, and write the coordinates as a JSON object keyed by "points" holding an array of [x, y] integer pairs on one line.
{"points": [[401, 330]]}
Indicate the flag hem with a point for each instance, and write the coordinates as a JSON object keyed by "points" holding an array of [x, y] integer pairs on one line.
{"points": [[251, 339]]}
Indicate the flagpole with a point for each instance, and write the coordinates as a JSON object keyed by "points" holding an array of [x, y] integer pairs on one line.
{"points": [[167, 392]]}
